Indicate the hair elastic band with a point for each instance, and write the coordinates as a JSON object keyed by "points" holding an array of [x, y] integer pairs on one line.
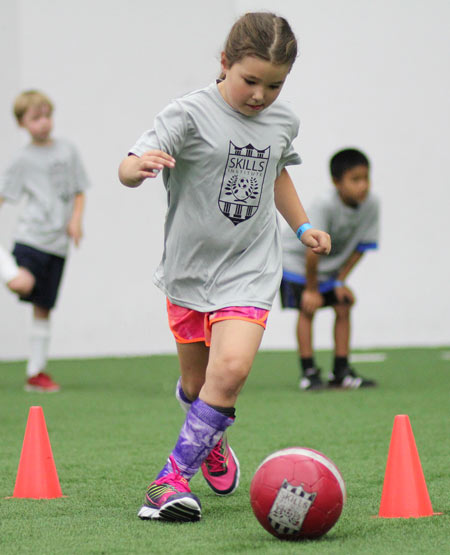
{"points": [[303, 228]]}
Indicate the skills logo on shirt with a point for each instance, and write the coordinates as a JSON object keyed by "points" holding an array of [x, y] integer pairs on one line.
{"points": [[59, 173], [242, 182]]}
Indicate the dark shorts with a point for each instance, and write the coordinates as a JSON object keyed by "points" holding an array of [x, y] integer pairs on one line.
{"points": [[291, 294], [47, 270]]}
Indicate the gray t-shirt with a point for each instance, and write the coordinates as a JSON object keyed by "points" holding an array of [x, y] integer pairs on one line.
{"points": [[351, 229], [222, 243], [49, 177]]}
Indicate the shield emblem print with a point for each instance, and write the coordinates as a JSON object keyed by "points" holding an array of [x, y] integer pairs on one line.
{"points": [[290, 508], [242, 182]]}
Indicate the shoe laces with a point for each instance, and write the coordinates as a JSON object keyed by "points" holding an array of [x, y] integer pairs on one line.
{"points": [[216, 460], [174, 478]]}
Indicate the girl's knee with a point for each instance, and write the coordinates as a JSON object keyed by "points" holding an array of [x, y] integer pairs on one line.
{"points": [[237, 364], [231, 371]]}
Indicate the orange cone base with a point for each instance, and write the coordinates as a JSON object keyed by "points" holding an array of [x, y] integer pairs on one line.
{"points": [[427, 516], [61, 497], [405, 493], [36, 476]]}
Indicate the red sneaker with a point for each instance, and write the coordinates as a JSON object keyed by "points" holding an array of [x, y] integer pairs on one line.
{"points": [[42, 382], [221, 468]]}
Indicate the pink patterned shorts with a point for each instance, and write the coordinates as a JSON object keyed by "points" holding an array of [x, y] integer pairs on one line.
{"points": [[190, 326]]}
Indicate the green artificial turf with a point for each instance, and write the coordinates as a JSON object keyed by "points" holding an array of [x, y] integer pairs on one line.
{"points": [[115, 421]]}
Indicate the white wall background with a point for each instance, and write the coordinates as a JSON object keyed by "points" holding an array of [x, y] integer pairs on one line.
{"points": [[371, 74]]}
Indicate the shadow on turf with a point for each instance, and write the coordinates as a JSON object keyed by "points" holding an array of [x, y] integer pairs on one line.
{"points": [[327, 539]]}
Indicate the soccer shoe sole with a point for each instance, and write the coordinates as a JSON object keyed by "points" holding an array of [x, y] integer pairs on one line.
{"points": [[235, 484], [185, 509], [351, 383], [39, 389]]}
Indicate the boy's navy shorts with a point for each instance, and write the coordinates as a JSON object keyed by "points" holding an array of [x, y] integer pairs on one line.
{"points": [[47, 270], [291, 294]]}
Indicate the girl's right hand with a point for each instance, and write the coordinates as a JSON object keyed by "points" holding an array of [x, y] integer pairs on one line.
{"points": [[134, 169]]}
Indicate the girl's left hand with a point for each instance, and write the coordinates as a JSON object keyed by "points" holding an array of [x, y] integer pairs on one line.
{"points": [[319, 241]]}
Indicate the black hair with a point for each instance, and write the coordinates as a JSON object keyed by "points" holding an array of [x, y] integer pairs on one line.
{"points": [[345, 160]]}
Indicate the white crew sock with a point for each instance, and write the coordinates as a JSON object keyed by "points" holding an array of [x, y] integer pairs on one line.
{"points": [[184, 402], [40, 339], [8, 266]]}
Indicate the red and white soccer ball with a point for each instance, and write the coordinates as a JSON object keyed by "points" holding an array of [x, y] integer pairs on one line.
{"points": [[297, 493]]}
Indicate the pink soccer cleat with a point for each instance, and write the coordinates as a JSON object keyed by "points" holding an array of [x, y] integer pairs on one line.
{"points": [[169, 498], [221, 468]]}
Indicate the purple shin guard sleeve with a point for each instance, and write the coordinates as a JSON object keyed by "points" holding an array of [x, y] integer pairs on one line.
{"points": [[202, 429], [183, 401]]}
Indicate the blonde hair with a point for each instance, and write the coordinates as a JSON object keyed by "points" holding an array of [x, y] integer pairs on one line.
{"points": [[27, 99], [264, 35]]}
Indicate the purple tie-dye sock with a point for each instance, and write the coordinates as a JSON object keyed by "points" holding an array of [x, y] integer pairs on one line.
{"points": [[202, 429]]}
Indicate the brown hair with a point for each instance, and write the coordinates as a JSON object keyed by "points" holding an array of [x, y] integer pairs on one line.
{"points": [[27, 99], [264, 35]]}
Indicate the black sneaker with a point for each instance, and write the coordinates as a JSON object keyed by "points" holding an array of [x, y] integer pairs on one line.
{"points": [[347, 378], [311, 380]]}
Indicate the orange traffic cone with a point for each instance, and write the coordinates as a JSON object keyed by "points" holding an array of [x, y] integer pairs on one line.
{"points": [[36, 476], [405, 493]]}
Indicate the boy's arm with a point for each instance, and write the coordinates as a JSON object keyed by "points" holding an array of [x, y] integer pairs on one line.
{"points": [[311, 263], [74, 226], [311, 298], [291, 208], [343, 293], [349, 264]]}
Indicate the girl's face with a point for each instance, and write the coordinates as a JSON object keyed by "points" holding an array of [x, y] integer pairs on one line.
{"points": [[37, 120], [252, 84]]}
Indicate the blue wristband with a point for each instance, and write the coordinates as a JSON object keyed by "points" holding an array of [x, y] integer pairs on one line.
{"points": [[303, 228], [338, 283]]}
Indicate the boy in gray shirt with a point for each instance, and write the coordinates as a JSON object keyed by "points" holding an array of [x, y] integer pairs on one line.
{"points": [[350, 214], [49, 174]]}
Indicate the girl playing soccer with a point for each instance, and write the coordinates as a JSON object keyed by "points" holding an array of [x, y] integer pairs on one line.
{"points": [[223, 152]]}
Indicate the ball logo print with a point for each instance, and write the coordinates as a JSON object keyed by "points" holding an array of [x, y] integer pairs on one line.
{"points": [[297, 493], [290, 508], [242, 188]]}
